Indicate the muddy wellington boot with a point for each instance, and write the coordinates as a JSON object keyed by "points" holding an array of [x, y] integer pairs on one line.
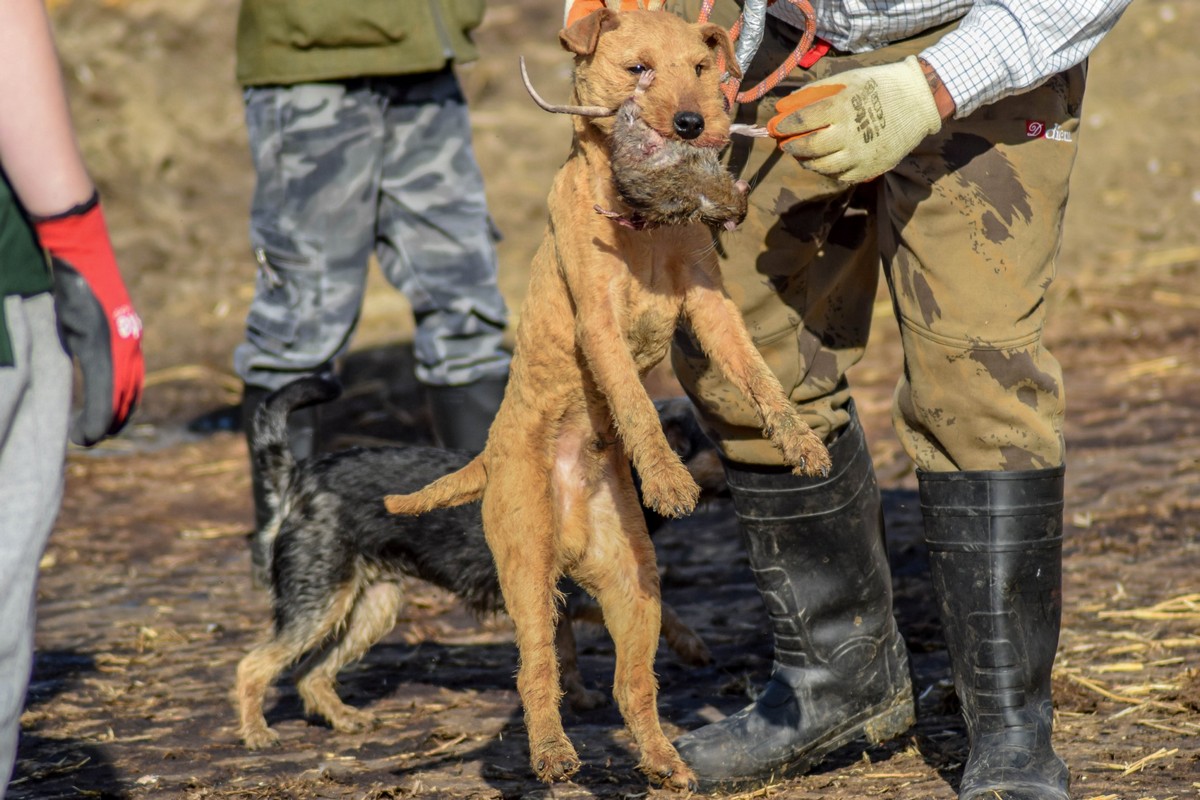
{"points": [[995, 548], [302, 433], [462, 415], [841, 672]]}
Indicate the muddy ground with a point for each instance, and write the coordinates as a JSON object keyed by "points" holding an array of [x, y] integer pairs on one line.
{"points": [[146, 602]]}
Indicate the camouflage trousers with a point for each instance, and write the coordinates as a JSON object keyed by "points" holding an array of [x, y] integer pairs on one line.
{"points": [[372, 165], [967, 229]]}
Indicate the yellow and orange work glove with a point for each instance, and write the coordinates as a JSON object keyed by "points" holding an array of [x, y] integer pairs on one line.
{"points": [[859, 124]]}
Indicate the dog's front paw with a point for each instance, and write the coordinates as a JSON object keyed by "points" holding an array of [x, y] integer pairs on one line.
{"points": [[553, 761], [813, 459], [670, 490], [353, 720], [802, 449], [259, 738]]}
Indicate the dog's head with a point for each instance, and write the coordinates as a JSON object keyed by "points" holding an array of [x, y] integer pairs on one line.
{"points": [[684, 101]]}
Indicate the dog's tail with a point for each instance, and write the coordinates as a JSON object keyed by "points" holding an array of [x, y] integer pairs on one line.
{"points": [[458, 488], [271, 452], [270, 447]]}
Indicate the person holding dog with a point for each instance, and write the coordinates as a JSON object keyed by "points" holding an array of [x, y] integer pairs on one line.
{"points": [[937, 138], [361, 144], [61, 295]]}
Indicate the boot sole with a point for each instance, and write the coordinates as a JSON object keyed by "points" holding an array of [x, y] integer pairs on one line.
{"points": [[1019, 789], [876, 726]]}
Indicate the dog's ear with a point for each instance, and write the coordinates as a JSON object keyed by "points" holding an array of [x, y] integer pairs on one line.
{"points": [[717, 38], [582, 36]]}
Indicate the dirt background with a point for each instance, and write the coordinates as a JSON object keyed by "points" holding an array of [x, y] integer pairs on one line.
{"points": [[146, 603]]}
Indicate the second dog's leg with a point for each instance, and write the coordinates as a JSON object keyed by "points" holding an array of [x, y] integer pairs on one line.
{"points": [[373, 616], [255, 674], [305, 629], [576, 692], [621, 572], [682, 640]]}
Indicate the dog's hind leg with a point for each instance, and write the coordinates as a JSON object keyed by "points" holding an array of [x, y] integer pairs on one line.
{"points": [[620, 571], [374, 614], [520, 535], [684, 642], [258, 670]]}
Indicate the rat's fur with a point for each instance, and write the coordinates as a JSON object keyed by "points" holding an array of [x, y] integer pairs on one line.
{"points": [[668, 181]]}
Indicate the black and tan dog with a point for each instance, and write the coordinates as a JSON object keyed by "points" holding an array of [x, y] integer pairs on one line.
{"points": [[335, 559], [606, 295]]}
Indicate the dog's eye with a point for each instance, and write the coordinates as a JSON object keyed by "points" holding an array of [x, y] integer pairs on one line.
{"points": [[699, 70], [637, 69]]}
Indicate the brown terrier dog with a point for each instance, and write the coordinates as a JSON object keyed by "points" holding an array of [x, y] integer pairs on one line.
{"points": [[603, 304]]}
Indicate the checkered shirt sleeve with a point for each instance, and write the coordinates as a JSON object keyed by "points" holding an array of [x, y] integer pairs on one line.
{"points": [[1001, 47], [1005, 47]]}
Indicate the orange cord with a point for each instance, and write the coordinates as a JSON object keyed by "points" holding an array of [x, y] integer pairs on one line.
{"points": [[731, 86]]}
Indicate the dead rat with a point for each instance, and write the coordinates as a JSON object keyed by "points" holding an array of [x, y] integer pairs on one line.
{"points": [[668, 181]]}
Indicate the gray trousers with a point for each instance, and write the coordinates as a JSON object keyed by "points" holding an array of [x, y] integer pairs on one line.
{"points": [[35, 399], [350, 168]]}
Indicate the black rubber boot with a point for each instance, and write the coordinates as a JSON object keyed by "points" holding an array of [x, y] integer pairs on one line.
{"points": [[462, 415], [995, 547], [302, 434], [841, 668]]}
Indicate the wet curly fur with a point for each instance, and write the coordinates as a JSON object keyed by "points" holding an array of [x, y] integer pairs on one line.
{"points": [[603, 305]]}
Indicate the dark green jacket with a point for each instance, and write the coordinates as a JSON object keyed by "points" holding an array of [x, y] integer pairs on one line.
{"points": [[24, 270], [300, 41]]}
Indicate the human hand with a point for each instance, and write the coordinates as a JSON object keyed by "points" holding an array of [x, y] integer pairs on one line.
{"points": [[100, 328], [859, 124]]}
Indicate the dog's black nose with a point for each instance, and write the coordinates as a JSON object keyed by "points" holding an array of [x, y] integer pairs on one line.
{"points": [[689, 124]]}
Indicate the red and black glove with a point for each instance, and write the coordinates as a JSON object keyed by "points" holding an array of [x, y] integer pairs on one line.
{"points": [[99, 326]]}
